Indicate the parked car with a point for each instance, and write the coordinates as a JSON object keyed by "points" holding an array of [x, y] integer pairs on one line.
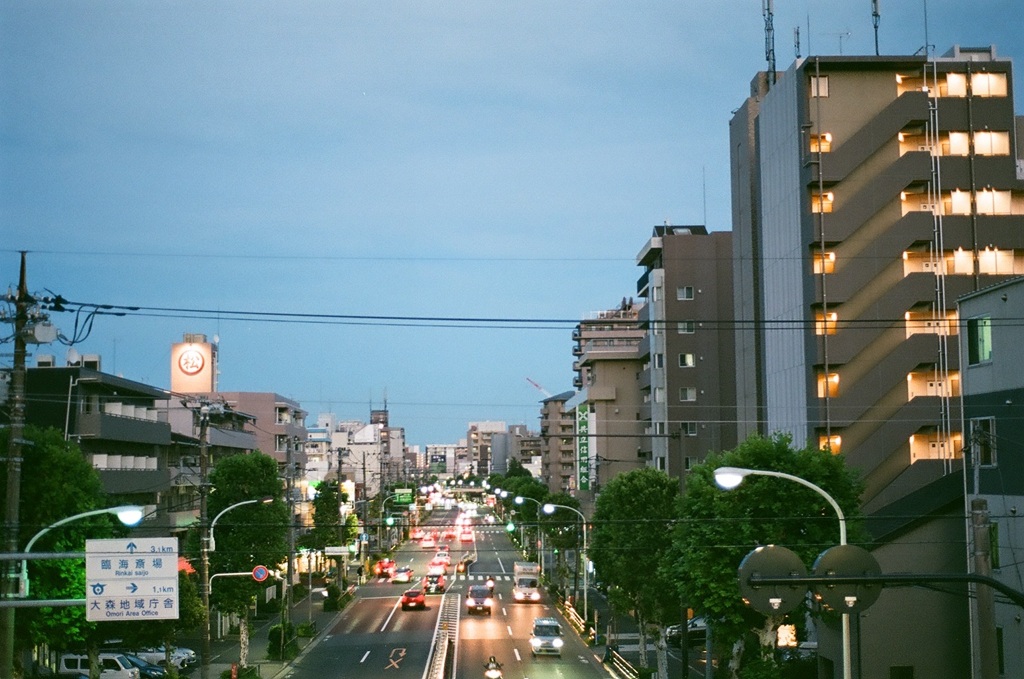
{"points": [[697, 630], [112, 666], [180, 657], [413, 598], [147, 670]]}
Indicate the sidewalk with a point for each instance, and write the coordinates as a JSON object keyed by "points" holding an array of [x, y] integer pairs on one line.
{"points": [[225, 652]]}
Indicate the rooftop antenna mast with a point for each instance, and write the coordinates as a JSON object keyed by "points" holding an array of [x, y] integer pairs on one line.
{"points": [[796, 41], [768, 10], [875, 18]]}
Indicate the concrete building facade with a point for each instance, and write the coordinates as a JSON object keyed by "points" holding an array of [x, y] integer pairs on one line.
{"points": [[869, 194]]}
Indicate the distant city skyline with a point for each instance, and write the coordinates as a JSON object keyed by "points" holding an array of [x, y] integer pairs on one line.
{"points": [[343, 188]]}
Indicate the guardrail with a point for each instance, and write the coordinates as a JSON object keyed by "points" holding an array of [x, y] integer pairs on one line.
{"points": [[621, 666], [446, 636]]}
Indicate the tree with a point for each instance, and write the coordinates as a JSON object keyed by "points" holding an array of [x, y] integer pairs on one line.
{"points": [[718, 528], [632, 517], [249, 536], [49, 458]]}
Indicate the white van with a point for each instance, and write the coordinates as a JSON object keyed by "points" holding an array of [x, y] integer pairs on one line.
{"points": [[113, 665]]}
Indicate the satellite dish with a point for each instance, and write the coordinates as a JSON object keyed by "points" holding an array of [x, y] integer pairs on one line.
{"points": [[73, 357]]}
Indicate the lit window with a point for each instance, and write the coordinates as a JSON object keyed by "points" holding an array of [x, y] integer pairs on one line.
{"points": [[819, 85], [831, 383], [687, 327], [687, 394], [821, 143], [983, 441], [684, 292], [991, 202], [979, 340], [686, 360], [956, 85], [832, 444], [825, 325], [988, 84], [822, 202], [960, 202], [992, 143], [824, 262]]}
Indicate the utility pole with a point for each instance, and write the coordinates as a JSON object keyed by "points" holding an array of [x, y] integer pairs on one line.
{"points": [[11, 581], [286, 608], [204, 574]]}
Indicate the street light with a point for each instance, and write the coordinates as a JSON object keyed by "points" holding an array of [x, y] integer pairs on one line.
{"points": [[519, 500], [728, 478], [210, 545], [129, 515], [549, 509]]}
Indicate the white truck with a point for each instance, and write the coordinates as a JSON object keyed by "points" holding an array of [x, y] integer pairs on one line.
{"points": [[526, 581]]}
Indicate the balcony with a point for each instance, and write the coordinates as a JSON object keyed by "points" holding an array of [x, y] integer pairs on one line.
{"points": [[117, 427]]}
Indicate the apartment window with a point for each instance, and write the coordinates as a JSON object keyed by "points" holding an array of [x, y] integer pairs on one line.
{"points": [[684, 292], [686, 360], [979, 340], [659, 361], [688, 428], [832, 443], [821, 143], [992, 202], [284, 415], [687, 327], [655, 293], [824, 262], [687, 394], [687, 463], [992, 143], [819, 85], [659, 428], [828, 384], [281, 443], [659, 394], [988, 84], [822, 202], [983, 441], [825, 324]]}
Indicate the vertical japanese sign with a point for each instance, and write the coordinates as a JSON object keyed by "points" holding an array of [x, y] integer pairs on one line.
{"points": [[583, 446]]}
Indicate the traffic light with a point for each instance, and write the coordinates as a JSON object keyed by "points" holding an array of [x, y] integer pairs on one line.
{"points": [[390, 521], [510, 527]]}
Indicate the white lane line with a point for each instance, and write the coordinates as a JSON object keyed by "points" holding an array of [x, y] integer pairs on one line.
{"points": [[365, 656]]}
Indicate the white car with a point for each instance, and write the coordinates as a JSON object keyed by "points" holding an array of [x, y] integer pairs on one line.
{"points": [[180, 657]]}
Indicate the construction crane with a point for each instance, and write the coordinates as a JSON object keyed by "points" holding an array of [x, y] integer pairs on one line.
{"points": [[547, 394]]}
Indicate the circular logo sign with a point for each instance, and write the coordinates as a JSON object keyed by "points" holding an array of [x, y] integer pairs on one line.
{"points": [[191, 361], [260, 573]]}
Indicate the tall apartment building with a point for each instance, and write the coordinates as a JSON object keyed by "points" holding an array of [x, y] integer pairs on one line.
{"points": [[869, 194], [687, 381], [609, 433], [478, 443], [558, 450]]}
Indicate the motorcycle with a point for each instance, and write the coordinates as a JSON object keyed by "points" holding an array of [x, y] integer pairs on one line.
{"points": [[492, 670]]}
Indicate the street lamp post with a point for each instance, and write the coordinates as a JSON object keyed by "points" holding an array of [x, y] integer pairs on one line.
{"points": [[129, 515], [730, 477], [210, 545], [519, 500], [549, 509]]}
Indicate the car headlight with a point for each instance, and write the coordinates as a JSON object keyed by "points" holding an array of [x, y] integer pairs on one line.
{"points": [[535, 596], [557, 643], [488, 602], [535, 642]]}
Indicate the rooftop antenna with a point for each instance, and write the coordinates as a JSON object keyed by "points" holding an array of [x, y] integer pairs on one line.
{"points": [[796, 41], [841, 35], [875, 18], [768, 11]]}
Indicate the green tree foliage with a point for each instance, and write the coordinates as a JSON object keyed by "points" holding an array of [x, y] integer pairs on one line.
{"points": [[718, 528], [48, 460], [326, 519], [632, 518], [517, 470], [247, 536]]}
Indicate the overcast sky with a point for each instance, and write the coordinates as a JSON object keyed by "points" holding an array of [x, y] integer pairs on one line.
{"points": [[451, 160]]}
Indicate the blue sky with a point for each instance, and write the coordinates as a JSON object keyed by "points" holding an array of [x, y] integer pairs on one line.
{"points": [[426, 159]]}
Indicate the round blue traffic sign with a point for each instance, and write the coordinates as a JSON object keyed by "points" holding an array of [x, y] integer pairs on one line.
{"points": [[260, 573]]}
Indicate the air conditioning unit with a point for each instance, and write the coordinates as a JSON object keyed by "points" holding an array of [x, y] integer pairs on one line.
{"points": [[925, 147], [928, 207]]}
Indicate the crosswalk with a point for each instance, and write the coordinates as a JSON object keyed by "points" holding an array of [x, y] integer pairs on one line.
{"points": [[463, 577]]}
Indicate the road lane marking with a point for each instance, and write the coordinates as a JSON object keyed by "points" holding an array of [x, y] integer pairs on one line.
{"points": [[509, 628], [365, 655]]}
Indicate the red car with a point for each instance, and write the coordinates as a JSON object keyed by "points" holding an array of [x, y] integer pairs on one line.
{"points": [[385, 568], [413, 598]]}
